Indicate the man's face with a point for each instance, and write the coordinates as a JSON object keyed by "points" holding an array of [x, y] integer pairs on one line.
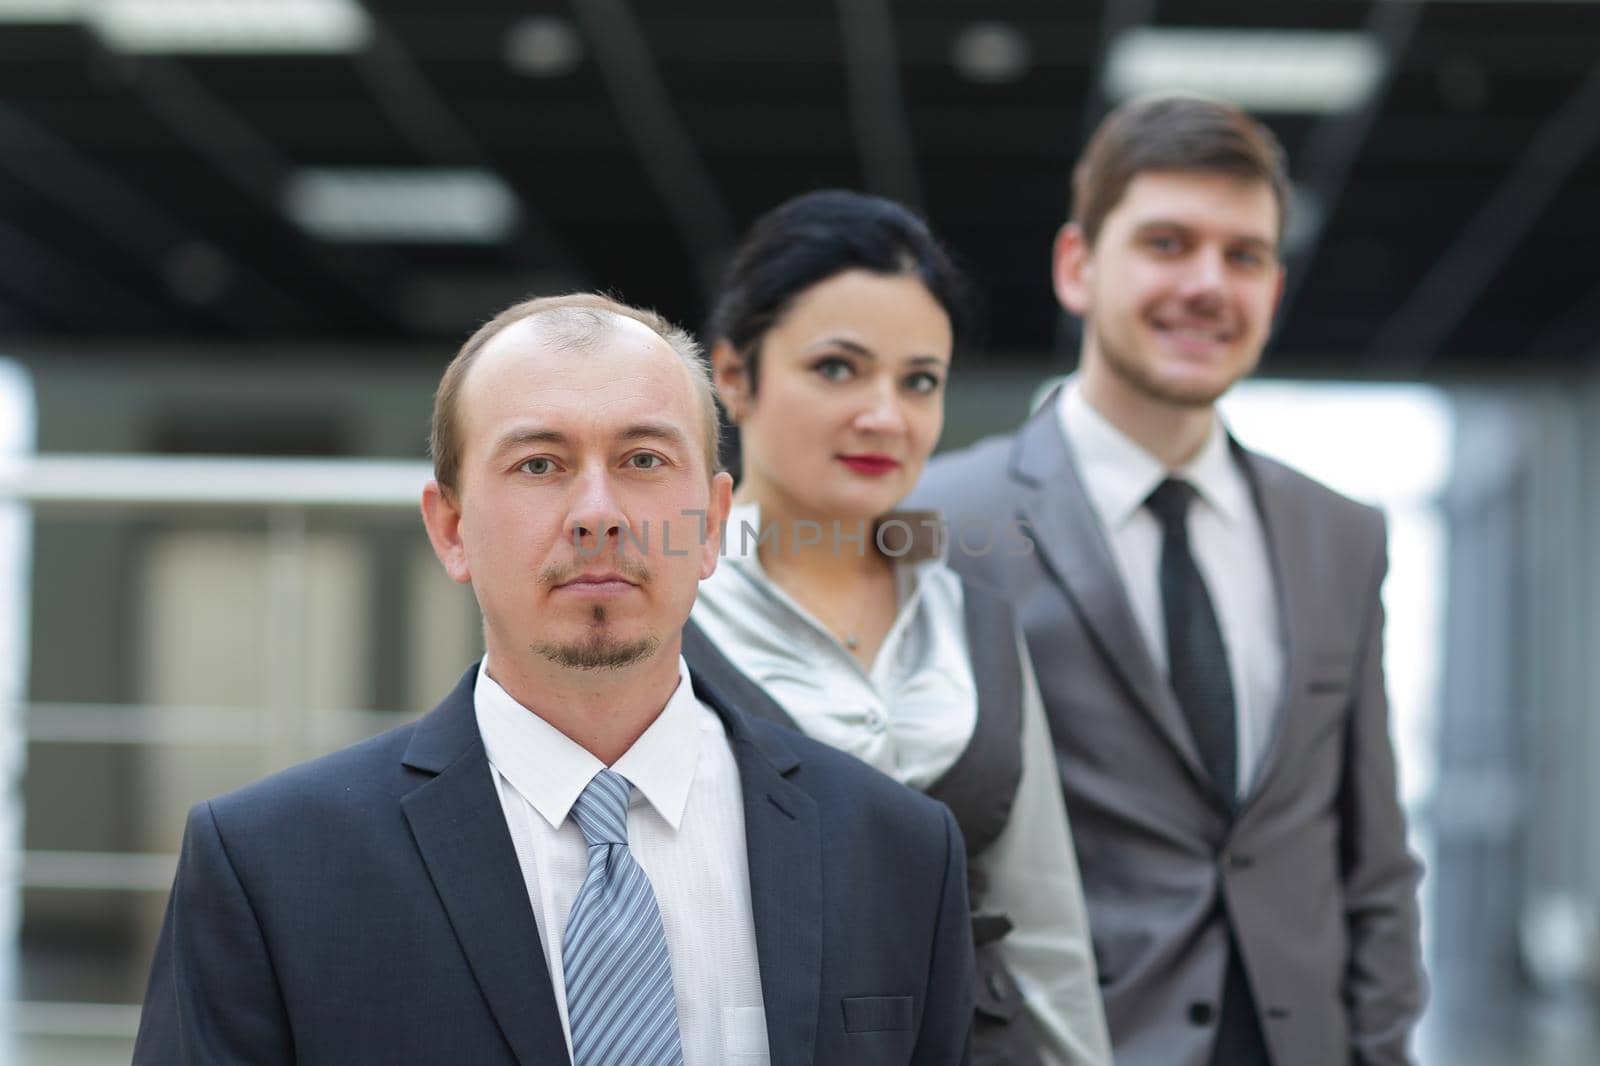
{"points": [[575, 516], [1178, 292]]}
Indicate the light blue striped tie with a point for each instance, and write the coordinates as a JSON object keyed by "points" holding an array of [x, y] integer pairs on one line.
{"points": [[614, 956]]}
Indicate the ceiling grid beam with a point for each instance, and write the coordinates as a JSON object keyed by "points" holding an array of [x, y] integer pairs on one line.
{"points": [[665, 145], [1334, 145], [436, 133], [124, 215], [1441, 301], [877, 101]]}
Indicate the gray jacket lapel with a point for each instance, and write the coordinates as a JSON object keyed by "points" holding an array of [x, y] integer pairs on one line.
{"points": [[1289, 554], [461, 832], [1074, 548], [783, 838]]}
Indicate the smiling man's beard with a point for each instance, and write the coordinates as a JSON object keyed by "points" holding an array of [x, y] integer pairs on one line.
{"points": [[1139, 377]]}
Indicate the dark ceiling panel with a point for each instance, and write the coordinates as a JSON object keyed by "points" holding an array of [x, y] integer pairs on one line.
{"points": [[147, 198]]}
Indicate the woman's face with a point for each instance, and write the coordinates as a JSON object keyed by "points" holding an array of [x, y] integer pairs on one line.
{"points": [[849, 399]]}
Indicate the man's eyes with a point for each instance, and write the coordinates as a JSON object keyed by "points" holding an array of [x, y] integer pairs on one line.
{"points": [[1249, 257], [540, 465]]}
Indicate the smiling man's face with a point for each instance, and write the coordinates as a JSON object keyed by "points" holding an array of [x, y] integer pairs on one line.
{"points": [[1178, 291], [582, 484]]}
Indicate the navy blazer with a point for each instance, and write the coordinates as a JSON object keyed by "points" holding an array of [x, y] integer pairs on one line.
{"points": [[367, 907]]}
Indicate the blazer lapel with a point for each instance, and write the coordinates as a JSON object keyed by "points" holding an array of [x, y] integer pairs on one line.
{"points": [[1289, 554], [783, 840], [1069, 538], [460, 829]]}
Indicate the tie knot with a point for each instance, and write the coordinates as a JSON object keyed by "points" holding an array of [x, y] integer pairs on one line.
{"points": [[602, 810], [1170, 503]]}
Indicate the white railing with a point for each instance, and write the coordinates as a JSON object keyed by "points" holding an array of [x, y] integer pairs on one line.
{"points": [[284, 492]]}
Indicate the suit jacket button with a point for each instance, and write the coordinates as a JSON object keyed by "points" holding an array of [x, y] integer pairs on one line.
{"points": [[1200, 1013]]}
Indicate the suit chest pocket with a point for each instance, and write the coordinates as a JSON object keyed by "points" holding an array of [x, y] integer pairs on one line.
{"points": [[877, 1014], [1329, 672]]}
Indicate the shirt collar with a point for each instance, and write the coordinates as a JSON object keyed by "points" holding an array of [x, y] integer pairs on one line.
{"points": [[1217, 477], [550, 770], [1119, 475]]}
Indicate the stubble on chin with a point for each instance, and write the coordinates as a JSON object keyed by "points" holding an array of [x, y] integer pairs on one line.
{"points": [[599, 649], [1142, 380]]}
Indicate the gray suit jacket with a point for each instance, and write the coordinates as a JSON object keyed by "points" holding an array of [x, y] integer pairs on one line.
{"points": [[1313, 871]]}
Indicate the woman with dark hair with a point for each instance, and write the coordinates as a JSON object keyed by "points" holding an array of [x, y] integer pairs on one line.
{"points": [[831, 343]]}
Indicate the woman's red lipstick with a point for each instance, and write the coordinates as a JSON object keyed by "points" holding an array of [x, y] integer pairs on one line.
{"points": [[872, 465]]}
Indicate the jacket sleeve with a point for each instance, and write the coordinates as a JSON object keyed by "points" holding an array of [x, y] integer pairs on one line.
{"points": [[1032, 875], [1384, 987], [213, 997], [948, 1005]]}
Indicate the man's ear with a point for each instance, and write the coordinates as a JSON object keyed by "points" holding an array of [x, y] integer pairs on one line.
{"points": [[732, 377], [1072, 268], [441, 516], [716, 522]]}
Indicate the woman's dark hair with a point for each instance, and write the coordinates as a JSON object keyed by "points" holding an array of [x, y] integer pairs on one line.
{"points": [[812, 237]]}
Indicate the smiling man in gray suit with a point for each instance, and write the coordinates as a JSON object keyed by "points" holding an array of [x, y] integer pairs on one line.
{"points": [[1206, 627]]}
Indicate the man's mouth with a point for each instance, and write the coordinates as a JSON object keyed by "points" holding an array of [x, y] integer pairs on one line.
{"points": [[1195, 336]]}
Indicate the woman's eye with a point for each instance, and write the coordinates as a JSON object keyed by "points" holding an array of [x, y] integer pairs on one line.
{"points": [[644, 461], [923, 382], [834, 369], [537, 466]]}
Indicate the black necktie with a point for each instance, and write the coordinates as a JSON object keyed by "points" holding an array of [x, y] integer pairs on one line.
{"points": [[1197, 656]]}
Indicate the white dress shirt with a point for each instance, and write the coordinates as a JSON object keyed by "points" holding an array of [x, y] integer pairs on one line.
{"points": [[911, 716], [685, 828], [1226, 539]]}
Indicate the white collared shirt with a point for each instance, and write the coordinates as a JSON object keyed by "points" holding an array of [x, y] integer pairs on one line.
{"points": [[911, 716], [1229, 546], [685, 829]]}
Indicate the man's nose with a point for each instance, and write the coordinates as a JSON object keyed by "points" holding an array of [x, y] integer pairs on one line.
{"points": [[595, 514], [1207, 276]]}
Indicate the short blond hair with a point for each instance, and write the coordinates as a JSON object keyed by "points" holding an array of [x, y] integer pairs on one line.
{"points": [[580, 320]]}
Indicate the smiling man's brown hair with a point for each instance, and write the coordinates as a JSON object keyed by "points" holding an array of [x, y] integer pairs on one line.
{"points": [[1173, 133]]}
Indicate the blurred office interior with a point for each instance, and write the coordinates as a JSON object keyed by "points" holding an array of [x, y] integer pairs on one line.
{"points": [[239, 241]]}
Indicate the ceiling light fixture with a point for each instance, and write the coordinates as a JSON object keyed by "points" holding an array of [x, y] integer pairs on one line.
{"points": [[991, 53], [399, 206], [545, 46], [236, 27], [1260, 70]]}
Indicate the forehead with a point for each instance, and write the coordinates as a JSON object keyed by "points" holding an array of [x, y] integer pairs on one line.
{"points": [[1243, 206], [526, 373], [862, 300]]}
